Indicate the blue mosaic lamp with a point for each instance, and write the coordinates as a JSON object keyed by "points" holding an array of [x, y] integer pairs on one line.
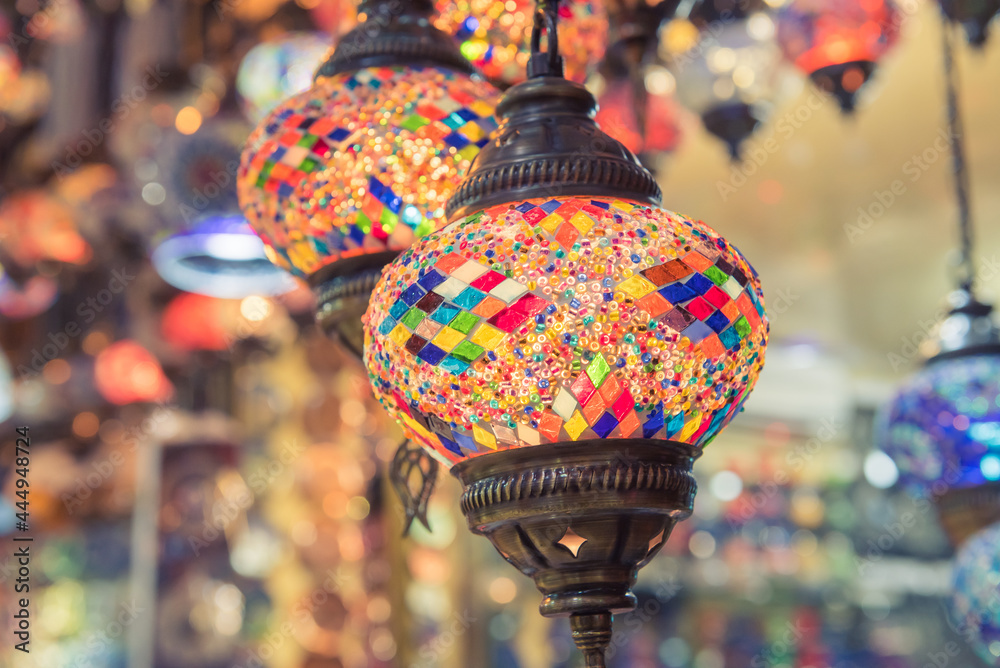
{"points": [[942, 428], [974, 607]]}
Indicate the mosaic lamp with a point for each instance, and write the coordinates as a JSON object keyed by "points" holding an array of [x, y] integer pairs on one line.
{"points": [[567, 348], [974, 16], [942, 428], [339, 179], [974, 607], [729, 77], [494, 35], [838, 42]]}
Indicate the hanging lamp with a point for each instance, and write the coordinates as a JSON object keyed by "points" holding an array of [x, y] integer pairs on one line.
{"points": [[838, 42], [974, 16], [973, 606], [942, 429], [730, 76], [340, 178], [633, 86], [566, 348]]}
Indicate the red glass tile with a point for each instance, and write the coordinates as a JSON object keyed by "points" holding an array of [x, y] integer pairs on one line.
{"points": [[582, 388], [699, 308]]}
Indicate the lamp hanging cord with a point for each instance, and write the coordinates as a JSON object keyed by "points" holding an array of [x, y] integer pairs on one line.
{"points": [[546, 63], [959, 167]]}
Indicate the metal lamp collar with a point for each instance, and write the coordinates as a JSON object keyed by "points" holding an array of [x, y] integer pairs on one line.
{"points": [[394, 32], [968, 330]]}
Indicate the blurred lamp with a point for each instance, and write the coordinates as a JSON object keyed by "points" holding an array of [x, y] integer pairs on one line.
{"points": [[219, 257], [274, 70], [838, 42], [974, 607], [973, 15], [126, 373], [567, 347], [340, 178], [943, 426], [494, 34], [729, 78]]}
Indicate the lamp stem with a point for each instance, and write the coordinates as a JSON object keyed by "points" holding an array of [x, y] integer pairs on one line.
{"points": [[592, 635], [959, 165]]}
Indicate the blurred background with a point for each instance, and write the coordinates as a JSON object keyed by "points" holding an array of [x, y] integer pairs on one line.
{"points": [[208, 471]]}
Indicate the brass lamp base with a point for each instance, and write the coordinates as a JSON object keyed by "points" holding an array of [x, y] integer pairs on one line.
{"points": [[964, 512], [343, 290], [580, 519]]}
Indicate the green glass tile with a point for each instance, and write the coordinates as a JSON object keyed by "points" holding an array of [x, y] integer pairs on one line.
{"points": [[467, 351], [388, 219], [363, 222], [413, 317], [598, 370], [308, 165], [307, 140], [414, 122], [716, 275], [464, 322], [742, 327]]}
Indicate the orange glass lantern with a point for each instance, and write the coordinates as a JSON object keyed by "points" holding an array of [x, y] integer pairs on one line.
{"points": [[838, 42]]}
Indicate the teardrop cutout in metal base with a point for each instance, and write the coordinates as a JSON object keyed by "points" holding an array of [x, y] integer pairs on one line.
{"points": [[343, 290], [620, 497]]}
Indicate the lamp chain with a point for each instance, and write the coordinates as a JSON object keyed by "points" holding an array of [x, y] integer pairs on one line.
{"points": [[546, 63], [959, 165]]}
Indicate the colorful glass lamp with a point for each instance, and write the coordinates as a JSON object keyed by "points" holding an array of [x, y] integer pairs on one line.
{"points": [[494, 35], [341, 178], [633, 87], [974, 607], [838, 42], [942, 429], [567, 348], [274, 70]]}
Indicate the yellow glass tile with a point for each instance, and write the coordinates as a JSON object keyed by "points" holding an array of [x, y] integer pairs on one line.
{"points": [[482, 108], [488, 337], [582, 222], [636, 286], [400, 334], [472, 131], [550, 222], [469, 152], [576, 425], [690, 428], [484, 437], [622, 206], [448, 338]]}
